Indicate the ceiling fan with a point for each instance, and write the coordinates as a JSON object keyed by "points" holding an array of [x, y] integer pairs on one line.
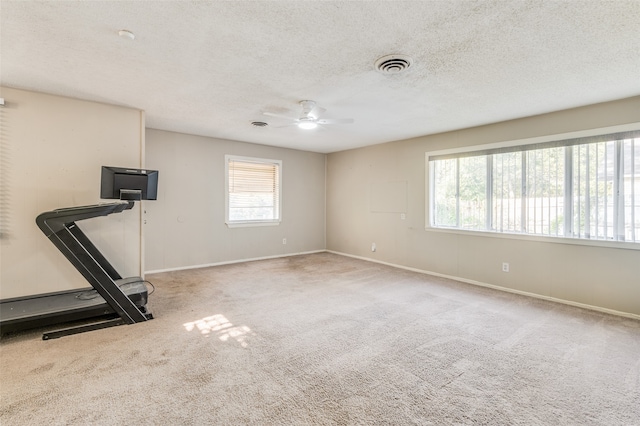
{"points": [[309, 118]]}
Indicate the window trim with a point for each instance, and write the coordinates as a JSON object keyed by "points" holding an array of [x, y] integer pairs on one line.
{"points": [[250, 223], [511, 145]]}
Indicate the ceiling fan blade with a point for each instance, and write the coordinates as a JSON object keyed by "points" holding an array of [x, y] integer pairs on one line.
{"points": [[295, 123], [335, 121], [271, 114]]}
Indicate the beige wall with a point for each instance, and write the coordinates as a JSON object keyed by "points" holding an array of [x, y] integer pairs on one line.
{"points": [[357, 179], [52, 150], [186, 227]]}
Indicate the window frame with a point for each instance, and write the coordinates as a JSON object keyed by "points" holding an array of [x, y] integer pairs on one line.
{"points": [[252, 222], [514, 145]]}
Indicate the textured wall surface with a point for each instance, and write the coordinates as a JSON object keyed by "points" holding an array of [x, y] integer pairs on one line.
{"points": [[594, 275], [186, 225], [52, 152]]}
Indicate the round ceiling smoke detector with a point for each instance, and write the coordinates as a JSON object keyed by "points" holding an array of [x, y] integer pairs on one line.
{"points": [[393, 64], [259, 124]]}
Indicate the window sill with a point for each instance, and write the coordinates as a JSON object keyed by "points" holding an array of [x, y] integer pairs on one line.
{"points": [[252, 224], [540, 238]]}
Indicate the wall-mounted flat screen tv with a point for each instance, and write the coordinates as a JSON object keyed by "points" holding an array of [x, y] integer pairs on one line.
{"points": [[128, 184]]}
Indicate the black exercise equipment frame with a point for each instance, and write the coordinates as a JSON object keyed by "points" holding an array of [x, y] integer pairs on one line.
{"points": [[60, 227]]}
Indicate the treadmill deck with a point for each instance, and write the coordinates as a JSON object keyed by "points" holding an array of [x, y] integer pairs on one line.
{"points": [[41, 310]]}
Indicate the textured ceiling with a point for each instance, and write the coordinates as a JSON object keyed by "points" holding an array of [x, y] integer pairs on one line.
{"points": [[211, 68]]}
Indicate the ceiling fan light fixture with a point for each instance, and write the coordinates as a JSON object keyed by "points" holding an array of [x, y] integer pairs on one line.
{"points": [[310, 117], [307, 125]]}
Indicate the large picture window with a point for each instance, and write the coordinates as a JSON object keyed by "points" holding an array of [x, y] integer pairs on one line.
{"points": [[252, 191], [586, 188]]}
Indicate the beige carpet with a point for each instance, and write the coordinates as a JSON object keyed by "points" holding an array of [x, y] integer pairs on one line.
{"points": [[324, 339]]}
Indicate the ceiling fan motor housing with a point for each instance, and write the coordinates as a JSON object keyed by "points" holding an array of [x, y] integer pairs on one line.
{"points": [[308, 122], [307, 109]]}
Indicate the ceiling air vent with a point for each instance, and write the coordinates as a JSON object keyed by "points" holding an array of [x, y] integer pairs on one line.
{"points": [[259, 124], [393, 64]]}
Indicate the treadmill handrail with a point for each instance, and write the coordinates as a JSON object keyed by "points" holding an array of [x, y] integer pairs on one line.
{"points": [[60, 228], [52, 221]]}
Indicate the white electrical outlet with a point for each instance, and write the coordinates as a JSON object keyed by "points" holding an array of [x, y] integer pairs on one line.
{"points": [[284, 241], [373, 247], [403, 216], [505, 267]]}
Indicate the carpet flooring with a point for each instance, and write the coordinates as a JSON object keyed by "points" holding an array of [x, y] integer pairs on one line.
{"points": [[323, 339]]}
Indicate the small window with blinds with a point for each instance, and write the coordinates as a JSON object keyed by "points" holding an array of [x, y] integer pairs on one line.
{"points": [[586, 188], [252, 191]]}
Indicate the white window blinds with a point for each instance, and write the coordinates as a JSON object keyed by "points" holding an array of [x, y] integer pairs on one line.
{"points": [[585, 188], [253, 190]]}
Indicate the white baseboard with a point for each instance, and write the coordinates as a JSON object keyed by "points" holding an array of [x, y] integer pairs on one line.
{"points": [[229, 262], [495, 287]]}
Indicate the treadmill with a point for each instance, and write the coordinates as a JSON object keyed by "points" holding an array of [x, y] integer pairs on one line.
{"points": [[110, 301]]}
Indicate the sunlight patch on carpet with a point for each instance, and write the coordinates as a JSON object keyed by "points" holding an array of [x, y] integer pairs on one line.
{"points": [[222, 328]]}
